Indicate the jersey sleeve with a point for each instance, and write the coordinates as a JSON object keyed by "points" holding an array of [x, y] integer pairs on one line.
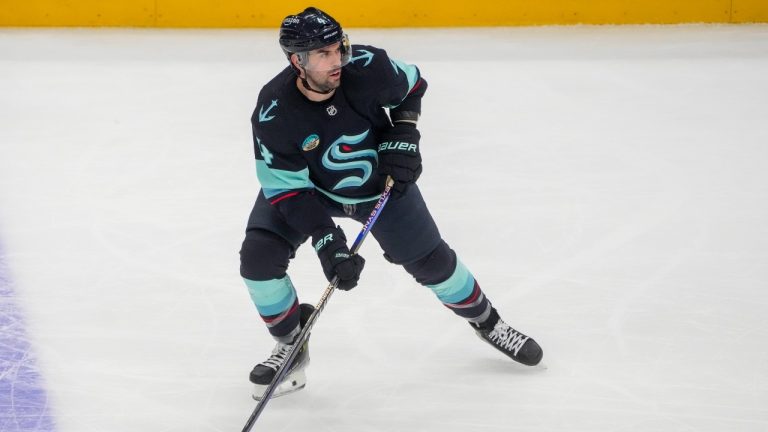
{"points": [[399, 85], [398, 81], [281, 172], [284, 176]]}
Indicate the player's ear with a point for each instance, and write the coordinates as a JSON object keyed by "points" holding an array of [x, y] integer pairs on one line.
{"points": [[296, 65]]}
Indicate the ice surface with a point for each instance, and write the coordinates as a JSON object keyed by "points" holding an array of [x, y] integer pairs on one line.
{"points": [[607, 186], [23, 400]]}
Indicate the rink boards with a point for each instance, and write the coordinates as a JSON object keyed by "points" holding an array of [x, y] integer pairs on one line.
{"points": [[393, 13]]}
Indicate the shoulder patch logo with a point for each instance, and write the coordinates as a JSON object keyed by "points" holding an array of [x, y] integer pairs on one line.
{"points": [[367, 56], [264, 114], [311, 142]]}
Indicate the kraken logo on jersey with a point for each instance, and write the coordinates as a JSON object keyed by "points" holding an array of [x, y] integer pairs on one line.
{"points": [[340, 150]]}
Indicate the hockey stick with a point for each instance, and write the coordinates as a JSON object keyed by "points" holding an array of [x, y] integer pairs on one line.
{"points": [[302, 337]]}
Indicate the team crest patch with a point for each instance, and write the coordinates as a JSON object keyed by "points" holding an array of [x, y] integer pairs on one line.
{"points": [[331, 109], [311, 142]]}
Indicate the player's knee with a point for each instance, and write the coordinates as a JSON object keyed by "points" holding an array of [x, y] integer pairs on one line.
{"points": [[437, 266], [264, 255]]}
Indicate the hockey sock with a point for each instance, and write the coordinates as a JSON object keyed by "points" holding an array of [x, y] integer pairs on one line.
{"points": [[462, 294], [278, 305]]}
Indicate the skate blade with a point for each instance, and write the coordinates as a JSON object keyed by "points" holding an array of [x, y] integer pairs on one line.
{"points": [[292, 383]]}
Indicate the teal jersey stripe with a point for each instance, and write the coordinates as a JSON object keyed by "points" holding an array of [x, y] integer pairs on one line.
{"points": [[411, 73], [271, 297], [281, 180], [347, 200], [457, 287], [269, 193]]}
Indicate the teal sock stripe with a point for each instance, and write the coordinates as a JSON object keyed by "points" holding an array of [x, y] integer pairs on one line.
{"points": [[271, 297], [456, 288]]}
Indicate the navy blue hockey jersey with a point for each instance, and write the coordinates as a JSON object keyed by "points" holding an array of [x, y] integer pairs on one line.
{"points": [[329, 146]]}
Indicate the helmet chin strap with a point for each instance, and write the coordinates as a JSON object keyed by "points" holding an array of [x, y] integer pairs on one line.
{"points": [[307, 86], [305, 83]]}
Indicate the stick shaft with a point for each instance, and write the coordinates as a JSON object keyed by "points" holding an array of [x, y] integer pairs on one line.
{"points": [[304, 334]]}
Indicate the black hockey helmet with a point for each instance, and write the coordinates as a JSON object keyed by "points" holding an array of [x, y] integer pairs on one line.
{"points": [[310, 30]]}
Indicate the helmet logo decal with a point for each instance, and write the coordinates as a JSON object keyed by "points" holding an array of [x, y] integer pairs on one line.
{"points": [[367, 56], [309, 30], [341, 150], [330, 35], [264, 114]]}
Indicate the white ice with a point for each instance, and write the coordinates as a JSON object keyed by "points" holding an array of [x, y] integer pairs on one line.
{"points": [[608, 186]]}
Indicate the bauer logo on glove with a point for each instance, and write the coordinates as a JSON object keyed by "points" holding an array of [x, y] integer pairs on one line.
{"points": [[398, 145], [323, 241]]}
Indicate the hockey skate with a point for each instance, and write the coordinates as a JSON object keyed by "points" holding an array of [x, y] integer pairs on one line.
{"points": [[295, 379], [512, 343]]}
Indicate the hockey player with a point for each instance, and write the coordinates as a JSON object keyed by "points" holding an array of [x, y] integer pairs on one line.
{"points": [[327, 131]]}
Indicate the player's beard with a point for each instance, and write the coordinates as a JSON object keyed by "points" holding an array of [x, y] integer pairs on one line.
{"points": [[324, 81]]}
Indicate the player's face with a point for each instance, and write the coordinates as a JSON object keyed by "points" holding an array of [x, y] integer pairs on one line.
{"points": [[324, 59], [323, 67]]}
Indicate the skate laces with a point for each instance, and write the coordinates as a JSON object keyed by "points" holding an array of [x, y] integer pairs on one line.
{"points": [[506, 337], [278, 356]]}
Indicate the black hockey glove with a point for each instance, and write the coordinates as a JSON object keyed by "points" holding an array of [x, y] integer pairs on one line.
{"points": [[335, 257], [399, 155]]}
